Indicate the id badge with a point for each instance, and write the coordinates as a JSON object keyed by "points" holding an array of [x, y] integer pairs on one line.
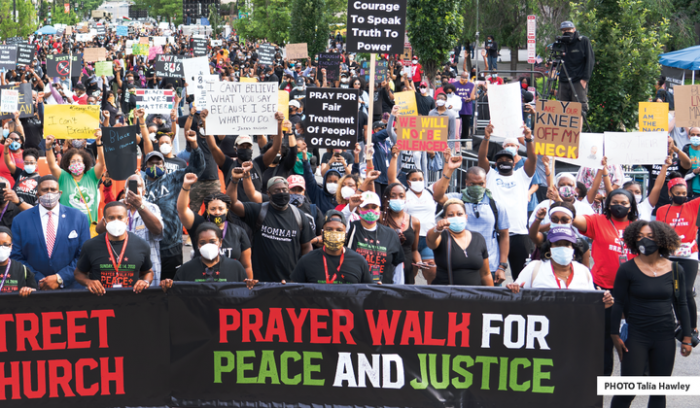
{"points": [[622, 259], [116, 285], [375, 272], [387, 163]]}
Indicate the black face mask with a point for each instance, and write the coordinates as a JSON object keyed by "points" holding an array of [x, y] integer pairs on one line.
{"points": [[244, 155], [647, 246], [619, 211], [679, 200], [504, 168], [279, 200]]}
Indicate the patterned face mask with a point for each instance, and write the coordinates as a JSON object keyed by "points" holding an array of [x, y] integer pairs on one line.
{"points": [[333, 240]]}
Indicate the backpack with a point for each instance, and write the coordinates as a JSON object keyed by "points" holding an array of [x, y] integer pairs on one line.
{"points": [[263, 213], [668, 98]]}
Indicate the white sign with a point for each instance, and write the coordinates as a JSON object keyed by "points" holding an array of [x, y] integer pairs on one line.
{"points": [[590, 151], [216, 43], [200, 89], [531, 43], [506, 110], [636, 147], [10, 98], [155, 100], [85, 37], [242, 108], [193, 67], [160, 40]]}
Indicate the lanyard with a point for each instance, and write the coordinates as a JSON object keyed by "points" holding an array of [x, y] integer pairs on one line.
{"points": [[223, 235], [678, 216], [568, 280], [384, 147], [121, 255], [4, 209], [325, 265], [131, 219], [7, 270], [617, 236]]}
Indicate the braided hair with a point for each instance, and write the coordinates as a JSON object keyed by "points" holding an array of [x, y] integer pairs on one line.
{"points": [[386, 218]]}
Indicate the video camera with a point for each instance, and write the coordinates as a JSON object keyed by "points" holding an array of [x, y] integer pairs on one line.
{"points": [[559, 46]]}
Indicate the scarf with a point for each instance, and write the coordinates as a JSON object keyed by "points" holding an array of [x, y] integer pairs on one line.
{"points": [[474, 194]]}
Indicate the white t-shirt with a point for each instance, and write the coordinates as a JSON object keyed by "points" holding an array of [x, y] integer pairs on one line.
{"points": [[582, 208], [644, 208], [422, 207], [511, 192], [545, 278]]}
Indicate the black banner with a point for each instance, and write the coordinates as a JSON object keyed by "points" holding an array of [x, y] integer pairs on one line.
{"points": [[16, 40], [25, 54], [57, 65], [376, 26], [198, 46], [331, 117], [169, 66], [331, 62], [266, 54], [8, 57], [303, 345], [120, 151], [25, 104]]}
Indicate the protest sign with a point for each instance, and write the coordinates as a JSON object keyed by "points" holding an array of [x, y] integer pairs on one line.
{"points": [[60, 65], [248, 80], [375, 26], [381, 71], [283, 105], [169, 66], [590, 149], [195, 66], [71, 121], [241, 108], [94, 54], [155, 100], [687, 104], [25, 54], [15, 41], [506, 110], [100, 29], [103, 68], [153, 51], [198, 46], [266, 54], [406, 101], [25, 105], [122, 31], [139, 49], [69, 30], [331, 62], [332, 117], [216, 43], [9, 100], [407, 53], [557, 128], [160, 41], [144, 41], [200, 89], [120, 151], [422, 133], [8, 57], [297, 51], [85, 37], [653, 116], [632, 148]]}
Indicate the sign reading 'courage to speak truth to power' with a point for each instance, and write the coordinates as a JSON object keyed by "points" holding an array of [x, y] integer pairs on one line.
{"points": [[376, 26]]}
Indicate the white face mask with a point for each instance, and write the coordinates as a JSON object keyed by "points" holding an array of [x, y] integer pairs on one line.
{"points": [[152, 136], [417, 186], [440, 102], [347, 192], [166, 148], [5, 253], [415, 62], [332, 187], [116, 228], [637, 197], [209, 251]]}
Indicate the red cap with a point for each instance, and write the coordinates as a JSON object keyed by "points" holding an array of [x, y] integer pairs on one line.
{"points": [[424, 83]]}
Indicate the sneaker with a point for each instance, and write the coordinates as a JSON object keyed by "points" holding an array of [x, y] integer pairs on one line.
{"points": [[694, 339]]}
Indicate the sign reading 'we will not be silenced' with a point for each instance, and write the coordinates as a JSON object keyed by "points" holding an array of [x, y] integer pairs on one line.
{"points": [[376, 26]]}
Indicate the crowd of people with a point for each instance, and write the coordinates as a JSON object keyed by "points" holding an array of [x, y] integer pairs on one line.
{"points": [[295, 213]]}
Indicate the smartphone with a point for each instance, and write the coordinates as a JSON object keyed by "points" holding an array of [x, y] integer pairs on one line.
{"points": [[2, 187], [238, 170], [336, 154], [134, 186]]}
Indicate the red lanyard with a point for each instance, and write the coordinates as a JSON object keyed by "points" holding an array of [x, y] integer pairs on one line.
{"points": [[568, 280], [121, 255], [325, 265]]}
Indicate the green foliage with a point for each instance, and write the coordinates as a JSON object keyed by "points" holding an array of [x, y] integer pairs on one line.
{"points": [[626, 50], [266, 19], [168, 10], [434, 27], [26, 19], [311, 24], [214, 20], [506, 20], [59, 17]]}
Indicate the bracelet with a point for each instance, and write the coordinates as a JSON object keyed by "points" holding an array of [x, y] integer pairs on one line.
{"points": [[235, 181], [438, 231], [99, 145], [687, 344], [500, 268], [529, 140], [547, 174], [149, 283], [186, 189], [446, 176], [540, 219], [606, 175]]}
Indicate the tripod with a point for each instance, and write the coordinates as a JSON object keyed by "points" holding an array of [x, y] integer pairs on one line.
{"points": [[553, 79]]}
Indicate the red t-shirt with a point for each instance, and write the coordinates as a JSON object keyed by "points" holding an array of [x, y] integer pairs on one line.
{"points": [[682, 218], [497, 80], [607, 248], [417, 72]]}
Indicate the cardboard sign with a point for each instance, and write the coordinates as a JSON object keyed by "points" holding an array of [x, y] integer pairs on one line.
{"points": [[160, 41], [84, 37], [94, 54], [104, 68], [407, 53], [122, 31], [297, 51], [71, 121], [8, 57], [100, 29], [200, 89], [25, 105], [248, 80], [557, 128], [376, 27], [590, 149], [636, 147], [283, 104], [506, 110], [195, 66], [60, 65], [139, 49], [266, 54], [241, 108], [332, 117], [406, 101], [153, 51], [144, 40], [169, 66], [422, 133], [155, 100], [653, 116], [8, 100], [331, 62], [198, 46], [120, 151], [687, 101], [25, 54]]}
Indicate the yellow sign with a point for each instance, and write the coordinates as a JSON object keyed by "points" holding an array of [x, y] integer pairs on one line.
{"points": [[244, 79], [283, 105], [653, 117], [406, 101], [71, 121]]}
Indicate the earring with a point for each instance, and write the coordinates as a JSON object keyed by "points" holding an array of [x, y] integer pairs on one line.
{"points": [[548, 255]]}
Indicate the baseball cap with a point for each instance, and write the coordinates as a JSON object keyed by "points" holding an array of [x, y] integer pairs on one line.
{"points": [[243, 139], [296, 180], [370, 197], [378, 124], [503, 153], [566, 24], [295, 104], [271, 182], [300, 81], [561, 233], [152, 154], [424, 84], [334, 215]]}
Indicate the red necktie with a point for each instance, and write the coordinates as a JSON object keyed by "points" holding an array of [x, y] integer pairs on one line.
{"points": [[50, 234]]}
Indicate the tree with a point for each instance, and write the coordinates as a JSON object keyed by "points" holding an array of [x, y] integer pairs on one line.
{"points": [[264, 19], [311, 25], [434, 27], [214, 20], [168, 10], [26, 19], [626, 51]]}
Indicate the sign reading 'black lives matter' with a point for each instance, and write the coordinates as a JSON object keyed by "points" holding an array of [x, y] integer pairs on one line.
{"points": [[331, 117], [376, 26]]}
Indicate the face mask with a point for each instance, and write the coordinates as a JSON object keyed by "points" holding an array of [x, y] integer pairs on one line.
{"points": [[512, 149], [218, 219], [423, 91], [647, 246], [332, 187], [116, 228], [280, 200], [152, 136], [562, 255], [244, 155], [440, 102], [296, 199], [679, 200], [415, 62], [417, 186], [154, 171], [30, 168], [5, 132], [344, 80], [619, 211], [333, 240], [524, 86], [370, 216], [209, 251], [5, 253], [639, 198], [49, 200], [504, 168], [457, 224], [347, 192], [76, 169], [14, 146], [166, 148], [695, 140], [79, 144], [397, 205]]}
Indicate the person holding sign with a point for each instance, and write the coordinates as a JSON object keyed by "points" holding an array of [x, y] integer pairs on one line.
{"points": [[443, 110]]}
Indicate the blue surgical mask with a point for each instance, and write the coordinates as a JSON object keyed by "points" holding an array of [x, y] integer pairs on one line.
{"points": [[457, 224], [14, 146], [562, 255], [695, 140], [512, 149], [5, 132], [397, 205]]}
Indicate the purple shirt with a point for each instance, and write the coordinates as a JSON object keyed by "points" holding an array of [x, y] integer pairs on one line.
{"points": [[465, 92]]}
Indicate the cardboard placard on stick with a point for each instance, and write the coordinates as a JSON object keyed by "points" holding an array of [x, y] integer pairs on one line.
{"points": [[422, 133], [241, 108], [331, 117], [406, 101], [297, 51], [71, 121], [94, 54], [653, 116], [120, 151], [25, 105], [376, 27], [557, 128], [687, 101]]}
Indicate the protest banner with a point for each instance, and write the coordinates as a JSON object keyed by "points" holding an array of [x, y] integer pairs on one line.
{"points": [[168, 66], [100, 29], [331, 62], [241, 108], [266, 54], [9, 98], [406, 101], [104, 68], [590, 149], [297, 51], [332, 117], [198, 46], [557, 128], [25, 105], [630, 148], [422, 133], [94, 54], [506, 110], [139, 49], [59, 65], [376, 27], [687, 104], [120, 151], [25, 54], [195, 66], [303, 345], [71, 121], [155, 100], [154, 51], [653, 116], [122, 31], [8, 57]]}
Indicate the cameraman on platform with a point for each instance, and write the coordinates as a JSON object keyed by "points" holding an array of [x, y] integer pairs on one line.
{"points": [[578, 62]]}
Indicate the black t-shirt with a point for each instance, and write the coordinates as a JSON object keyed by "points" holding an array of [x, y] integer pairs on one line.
{"points": [[18, 277], [235, 240], [277, 242], [424, 103], [310, 268], [173, 164], [297, 94], [256, 174], [381, 249], [387, 103], [227, 145], [338, 166], [26, 184], [655, 170], [9, 214], [95, 260], [227, 270], [466, 264]]}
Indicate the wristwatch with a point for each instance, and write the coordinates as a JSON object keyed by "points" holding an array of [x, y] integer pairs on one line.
{"points": [[143, 205], [20, 200], [59, 279]]}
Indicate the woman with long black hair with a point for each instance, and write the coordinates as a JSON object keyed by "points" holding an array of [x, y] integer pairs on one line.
{"points": [[406, 226]]}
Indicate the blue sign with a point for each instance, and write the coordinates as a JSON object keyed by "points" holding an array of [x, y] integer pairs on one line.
{"points": [[122, 31]]}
